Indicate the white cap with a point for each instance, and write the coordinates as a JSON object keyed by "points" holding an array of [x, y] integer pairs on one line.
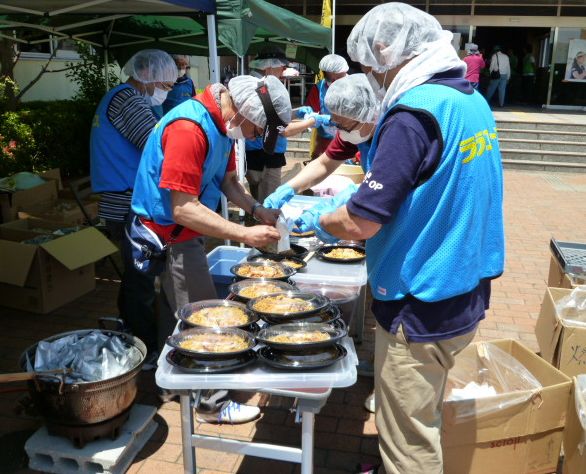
{"points": [[353, 98], [243, 92], [333, 63], [151, 65], [390, 34]]}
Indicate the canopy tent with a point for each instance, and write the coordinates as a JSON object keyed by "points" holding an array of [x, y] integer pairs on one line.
{"points": [[244, 26], [93, 20]]}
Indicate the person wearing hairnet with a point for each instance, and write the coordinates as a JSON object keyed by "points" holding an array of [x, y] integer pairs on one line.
{"points": [[334, 67], [430, 208], [354, 112], [263, 169], [184, 88], [122, 123], [187, 163]]}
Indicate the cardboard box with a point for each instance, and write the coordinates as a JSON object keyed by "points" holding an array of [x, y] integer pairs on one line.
{"points": [[575, 432], [42, 277], [12, 203], [523, 438], [354, 172], [65, 211], [561, 345], [557, 278]]}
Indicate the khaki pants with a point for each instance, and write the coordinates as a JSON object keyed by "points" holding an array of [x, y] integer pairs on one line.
{"points": [[262, 183], [409, 382], [186, 279]]}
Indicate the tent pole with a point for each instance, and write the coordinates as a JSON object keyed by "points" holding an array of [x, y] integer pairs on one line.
{"points": [[333, 26], [241, 157], [213, 49], [214, 78]]}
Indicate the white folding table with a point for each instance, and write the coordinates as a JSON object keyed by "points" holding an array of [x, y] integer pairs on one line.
{"points": [[310, 388]]}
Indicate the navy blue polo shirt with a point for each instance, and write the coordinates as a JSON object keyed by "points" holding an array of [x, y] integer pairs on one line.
{"points": [[409, 151]]}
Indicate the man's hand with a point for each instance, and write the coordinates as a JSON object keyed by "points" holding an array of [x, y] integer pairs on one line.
{"points": [[261, 235], [267, 216]]}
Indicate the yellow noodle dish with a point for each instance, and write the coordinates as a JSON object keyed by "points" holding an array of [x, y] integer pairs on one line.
{"points": [[260, 271], [282, 304], [219, 316], [261, 289], [344, 254], [214, 343], [300, 337]]}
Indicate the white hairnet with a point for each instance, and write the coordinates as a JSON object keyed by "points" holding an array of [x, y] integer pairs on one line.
{"points": [[243, 92], [262, 64], [391, 33], [333, 63], [151, 65], [353, 98], [178, 57]]}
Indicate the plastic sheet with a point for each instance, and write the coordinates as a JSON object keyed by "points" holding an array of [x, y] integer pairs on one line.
{"points": [[580, 400], [92, 357], [572, 308], [490, 368]]}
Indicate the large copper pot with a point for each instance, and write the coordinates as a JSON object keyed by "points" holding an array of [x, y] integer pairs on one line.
{"points": [[84, 403]]}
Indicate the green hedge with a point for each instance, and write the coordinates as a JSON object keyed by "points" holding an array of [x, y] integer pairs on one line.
{"points": [[44, 135]]}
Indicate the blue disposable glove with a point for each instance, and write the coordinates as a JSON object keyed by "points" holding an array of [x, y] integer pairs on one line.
{"points": [[309, 220], [320, 120], [303, 111], [280, 196]]}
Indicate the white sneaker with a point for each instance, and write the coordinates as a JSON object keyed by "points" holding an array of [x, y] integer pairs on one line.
{"points": [[233, 413], [369, 403]]}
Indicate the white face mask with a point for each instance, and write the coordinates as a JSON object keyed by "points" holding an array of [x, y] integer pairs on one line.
{"points": [[158, 97], [181, 72], [235, 133], [353, 136], [379, 91]]}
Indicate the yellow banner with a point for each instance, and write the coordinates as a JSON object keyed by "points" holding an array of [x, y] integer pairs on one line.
{"points": [[326, 14]]}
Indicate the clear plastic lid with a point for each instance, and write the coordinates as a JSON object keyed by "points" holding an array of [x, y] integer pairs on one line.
{"points": [[300, 336], [248, 289], [216, 313], [211, 341], [267, 269], [294, 262], [288, 304], [338, 294]]}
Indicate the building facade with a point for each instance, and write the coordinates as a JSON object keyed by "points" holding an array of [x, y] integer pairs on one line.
{"points": [[554, 30]]}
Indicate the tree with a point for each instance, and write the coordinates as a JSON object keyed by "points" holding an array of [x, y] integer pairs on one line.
{"points": [[88, 74]]}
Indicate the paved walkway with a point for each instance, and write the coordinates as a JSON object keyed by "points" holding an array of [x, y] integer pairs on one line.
{"points": [[537, 207], [541, 116]]}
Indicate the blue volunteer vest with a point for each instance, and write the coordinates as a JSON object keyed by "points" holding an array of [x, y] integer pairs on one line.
{"points": [[364, 149], [257, 144], [448, 234], [113, 159], [181, 92], [152, 202], [324, 131]]}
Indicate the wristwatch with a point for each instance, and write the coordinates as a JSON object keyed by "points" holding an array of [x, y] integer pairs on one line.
{"points": [[255, 206]]}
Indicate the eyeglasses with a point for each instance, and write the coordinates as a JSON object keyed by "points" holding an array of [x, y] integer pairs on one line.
{"points": [[344, 129], [164, 86]]}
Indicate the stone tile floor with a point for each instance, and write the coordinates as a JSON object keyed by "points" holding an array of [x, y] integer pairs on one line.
{"points": [[537, 206]]}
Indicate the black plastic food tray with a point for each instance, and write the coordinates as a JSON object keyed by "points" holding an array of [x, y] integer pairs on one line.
{"points": [[570, 255]]}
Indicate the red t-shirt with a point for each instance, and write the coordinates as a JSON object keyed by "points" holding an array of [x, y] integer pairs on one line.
{"points": [[312, 99], [340, 150], [185, 148]]}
